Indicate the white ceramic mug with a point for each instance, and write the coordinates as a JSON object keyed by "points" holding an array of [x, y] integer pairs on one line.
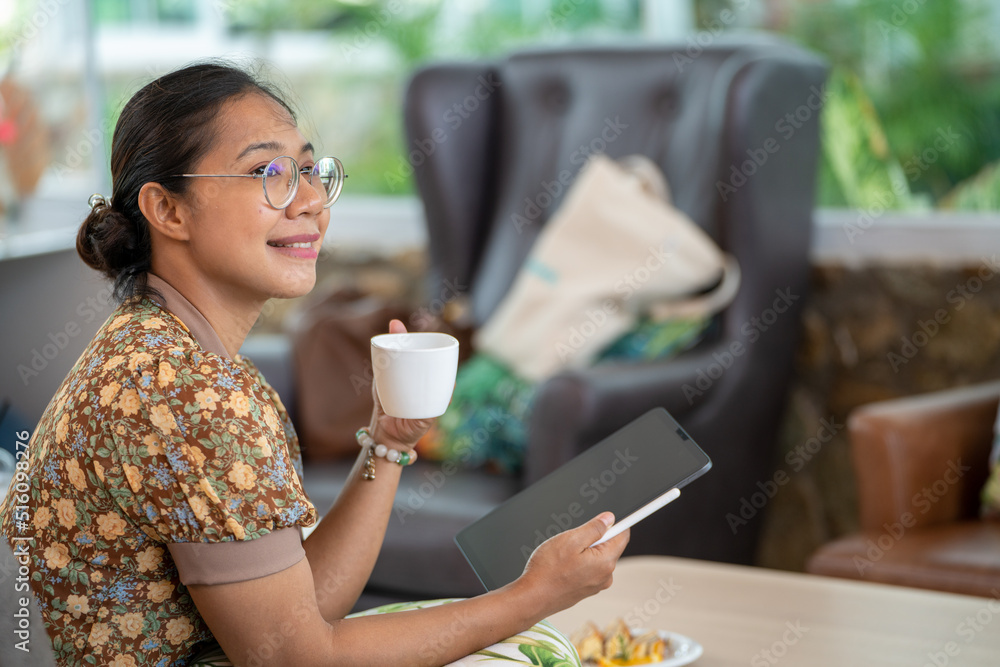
{"points": [[414, 373]]}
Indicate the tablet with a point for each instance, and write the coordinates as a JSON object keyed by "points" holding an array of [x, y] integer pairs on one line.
{"points": [[632, 473]]}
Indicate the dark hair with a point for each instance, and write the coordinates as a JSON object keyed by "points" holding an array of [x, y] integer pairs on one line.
{"points": [[164, 129]]}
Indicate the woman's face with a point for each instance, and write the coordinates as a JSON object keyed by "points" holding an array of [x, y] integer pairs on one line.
{"points": [[238, 241]]}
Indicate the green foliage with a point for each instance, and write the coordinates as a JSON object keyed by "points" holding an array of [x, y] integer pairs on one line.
{"points": [[372, 145], [905, 73], [924, 65], [411, 33], [265, 16], [163, 11], [979, 193], [855, 149]]}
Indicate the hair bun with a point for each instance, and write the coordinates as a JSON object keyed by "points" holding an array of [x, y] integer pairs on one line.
{"points": [[107, 239]]}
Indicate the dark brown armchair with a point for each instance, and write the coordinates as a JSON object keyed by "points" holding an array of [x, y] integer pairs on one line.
{"points": [[735, 130], [921, 463], [492, 143]]}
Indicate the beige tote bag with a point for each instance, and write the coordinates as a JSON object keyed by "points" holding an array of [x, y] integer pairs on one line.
{"points": [[614, 250]]}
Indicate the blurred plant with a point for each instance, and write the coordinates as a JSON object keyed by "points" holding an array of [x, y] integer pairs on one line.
{"points": [[927, 66], [856, 151], [15, 23], [979, 193], [264, 16], [160, 11], [489, 34], [414, 31]]}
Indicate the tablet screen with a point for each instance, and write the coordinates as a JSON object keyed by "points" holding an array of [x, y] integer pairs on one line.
{"points": [[622, 473]]}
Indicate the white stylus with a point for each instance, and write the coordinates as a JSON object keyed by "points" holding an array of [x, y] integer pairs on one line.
{"points": [[637, 516]]}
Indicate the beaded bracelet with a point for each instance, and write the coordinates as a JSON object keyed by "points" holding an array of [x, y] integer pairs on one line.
{"points": [[365, 439]]}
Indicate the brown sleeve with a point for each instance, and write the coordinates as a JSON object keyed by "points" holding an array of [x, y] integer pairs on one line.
{"points": [[240, 560]]}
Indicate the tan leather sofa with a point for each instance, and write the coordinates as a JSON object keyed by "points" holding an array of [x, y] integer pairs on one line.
{"points": [[921, 463]]}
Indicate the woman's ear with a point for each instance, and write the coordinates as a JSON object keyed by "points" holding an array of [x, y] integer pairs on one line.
{"points": [[163, 211]]}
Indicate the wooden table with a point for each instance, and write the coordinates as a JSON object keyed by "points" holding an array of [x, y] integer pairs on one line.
{"points": [[758, 617]]}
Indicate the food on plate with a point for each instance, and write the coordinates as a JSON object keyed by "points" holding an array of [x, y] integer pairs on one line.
{"points": [[617, 647], [589, 643]]}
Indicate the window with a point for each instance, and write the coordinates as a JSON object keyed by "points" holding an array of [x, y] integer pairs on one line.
{"points": [[911, 119]]}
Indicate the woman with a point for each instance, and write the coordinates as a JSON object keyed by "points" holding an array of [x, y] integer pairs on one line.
{"points": [[166, 500]]}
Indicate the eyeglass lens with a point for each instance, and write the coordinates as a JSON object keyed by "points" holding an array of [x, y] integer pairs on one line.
{"points": [[327, 176], [282, 175], [279, 181]]}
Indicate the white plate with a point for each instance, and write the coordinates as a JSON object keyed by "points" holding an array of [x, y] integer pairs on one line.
{"points": [[684, 649]]}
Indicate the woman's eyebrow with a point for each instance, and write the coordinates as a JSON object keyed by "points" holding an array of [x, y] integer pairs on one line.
{"points": [[272, 146]]}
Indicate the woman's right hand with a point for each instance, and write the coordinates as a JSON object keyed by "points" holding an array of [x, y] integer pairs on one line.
{"points": [[565, 569]]}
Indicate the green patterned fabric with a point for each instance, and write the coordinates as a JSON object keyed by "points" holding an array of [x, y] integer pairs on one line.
{"points": [[541, 645], [991, 492], [486, 423]]}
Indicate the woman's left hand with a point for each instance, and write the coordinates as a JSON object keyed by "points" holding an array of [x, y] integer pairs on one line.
{"points": [[393, 430]]}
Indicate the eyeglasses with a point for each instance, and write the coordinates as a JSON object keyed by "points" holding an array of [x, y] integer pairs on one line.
{"points": [[280, 179]]}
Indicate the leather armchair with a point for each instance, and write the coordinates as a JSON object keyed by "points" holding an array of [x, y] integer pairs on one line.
{"points": [[920, 464], [493, 145]]}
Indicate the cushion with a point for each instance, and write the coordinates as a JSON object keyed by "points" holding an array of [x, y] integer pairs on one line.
{"points": [[487, 420], [959, 557], [991, 492], [541, 644]]}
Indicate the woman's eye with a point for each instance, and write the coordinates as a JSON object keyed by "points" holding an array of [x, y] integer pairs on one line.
{"points": [[259, 171]]}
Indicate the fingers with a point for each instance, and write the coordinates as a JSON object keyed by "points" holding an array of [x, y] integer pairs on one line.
{"points": [[616, 545], [593, 530], [604, 520], [395, 327]]}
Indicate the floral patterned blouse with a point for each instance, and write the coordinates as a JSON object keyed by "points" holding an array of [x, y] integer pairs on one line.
{"points": [[150, 441]]}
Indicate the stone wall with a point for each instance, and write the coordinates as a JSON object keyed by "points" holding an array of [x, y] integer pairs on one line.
{"points": [[870, 334]]}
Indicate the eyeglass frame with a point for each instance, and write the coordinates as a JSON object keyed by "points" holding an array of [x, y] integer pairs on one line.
{"points": [[295, 186]]}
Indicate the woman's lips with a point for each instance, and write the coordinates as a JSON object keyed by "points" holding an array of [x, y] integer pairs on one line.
{"points": [[300, 245]]}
